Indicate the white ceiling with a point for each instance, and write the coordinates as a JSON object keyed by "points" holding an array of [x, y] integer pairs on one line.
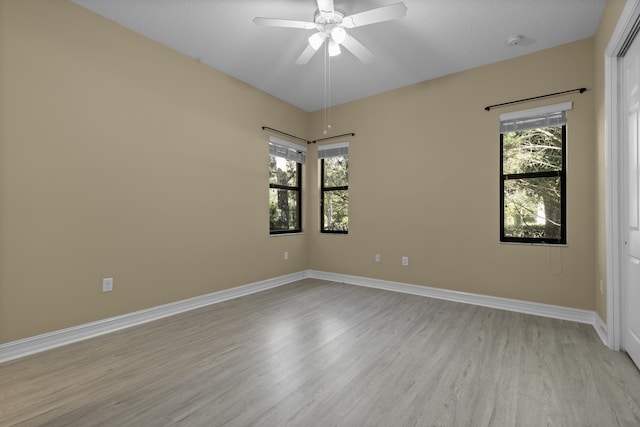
{"points": [[436, 38]]}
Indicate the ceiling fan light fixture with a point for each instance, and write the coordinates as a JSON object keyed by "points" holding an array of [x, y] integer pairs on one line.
{"points": [[334, 48], [338, 34], [316, 40]]}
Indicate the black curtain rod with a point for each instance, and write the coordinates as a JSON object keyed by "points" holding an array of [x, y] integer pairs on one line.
{"points": [[305, 140], [581, 90], [287, 134], [333, 137]]}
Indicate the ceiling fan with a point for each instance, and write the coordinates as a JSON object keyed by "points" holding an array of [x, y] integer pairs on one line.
{"points": [[331, 24]]}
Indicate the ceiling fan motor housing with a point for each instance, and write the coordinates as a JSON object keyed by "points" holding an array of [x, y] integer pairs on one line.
{"points": [[323, 18], [329, 26]]}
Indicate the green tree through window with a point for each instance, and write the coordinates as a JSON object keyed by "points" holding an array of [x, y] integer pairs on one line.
{"points": [[285, 188], [533, 185], [335, 194]]}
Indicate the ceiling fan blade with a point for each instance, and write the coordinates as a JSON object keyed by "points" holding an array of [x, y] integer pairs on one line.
{"points": [[373, 16], [306, 55], [358, 50], [325, 5], [285, 23]]}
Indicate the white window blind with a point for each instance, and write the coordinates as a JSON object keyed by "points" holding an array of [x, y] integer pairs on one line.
{"points": [[287, 150], [551, 115], [333, 150]]}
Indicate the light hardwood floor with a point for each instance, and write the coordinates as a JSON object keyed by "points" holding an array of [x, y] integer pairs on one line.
{"points": [[317, 353]]}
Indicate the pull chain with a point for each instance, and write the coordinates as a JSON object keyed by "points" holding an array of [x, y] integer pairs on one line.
{"points": [[327, 88]]}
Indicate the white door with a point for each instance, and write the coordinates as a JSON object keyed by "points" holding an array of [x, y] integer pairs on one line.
{"points": [[631, 163]]}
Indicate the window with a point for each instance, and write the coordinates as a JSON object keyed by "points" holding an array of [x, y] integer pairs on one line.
{"points": [[334, 188], [285, 186], [533, 175]]}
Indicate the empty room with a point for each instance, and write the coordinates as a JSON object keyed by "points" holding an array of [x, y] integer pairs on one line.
{"points": [[319, 212]]}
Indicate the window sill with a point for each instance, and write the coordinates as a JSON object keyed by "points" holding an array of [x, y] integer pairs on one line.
{"points": [[551, 245]]}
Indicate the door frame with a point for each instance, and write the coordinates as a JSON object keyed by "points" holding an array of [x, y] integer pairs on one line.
{"points": [[614, 186]]}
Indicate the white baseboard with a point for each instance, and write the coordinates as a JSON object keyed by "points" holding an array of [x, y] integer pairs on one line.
{"points": [[38, 343], [601, 329], [526, 307], [17, 349]]}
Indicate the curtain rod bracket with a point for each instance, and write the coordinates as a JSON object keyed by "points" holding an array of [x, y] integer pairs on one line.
{"points": [[581, 90]]}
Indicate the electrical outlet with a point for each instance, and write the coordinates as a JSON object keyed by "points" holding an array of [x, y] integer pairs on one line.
{"points": [[286, 255], [377, 257], [107, 285], [405, 260]]}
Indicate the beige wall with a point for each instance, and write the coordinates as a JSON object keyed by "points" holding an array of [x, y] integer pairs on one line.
{"points": [[424, 168], [122, 158], [607, 24]]}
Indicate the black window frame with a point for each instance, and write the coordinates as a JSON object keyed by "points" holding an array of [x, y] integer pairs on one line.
{"points": [[562, 174], [324, 190], [298, 189]]}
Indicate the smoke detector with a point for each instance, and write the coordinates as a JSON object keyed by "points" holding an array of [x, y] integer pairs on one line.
{"points": [[514, 40]]}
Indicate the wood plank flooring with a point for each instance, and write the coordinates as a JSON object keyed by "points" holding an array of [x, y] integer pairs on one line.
{"points": [[317, 353]]}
